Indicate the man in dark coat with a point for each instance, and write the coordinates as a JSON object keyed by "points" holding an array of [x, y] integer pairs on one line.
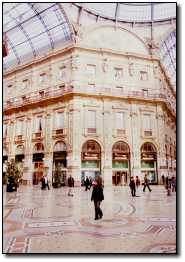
{"points": [[70, 184], [132, 186], [86, 183], [43, 183], [146, 183], [97, 197]]}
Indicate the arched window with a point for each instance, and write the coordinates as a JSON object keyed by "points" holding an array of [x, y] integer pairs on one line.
{"points": [[120, 147], [20, 150], [59, 146], [39, 147], [148, 148], [91, 146]]}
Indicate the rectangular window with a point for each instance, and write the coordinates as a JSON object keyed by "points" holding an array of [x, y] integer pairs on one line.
{"points": [[19, 127], [120, 121], [91, 85], [119, 88], [59, 120], [62, 73], [42, 78], [118, 73], [91, 70], [39, 124], [147, 124], [25, 83], [143, 75], [91, 121]]}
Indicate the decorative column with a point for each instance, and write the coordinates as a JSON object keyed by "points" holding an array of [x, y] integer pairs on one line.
{"points": [[161, 156], [28, 168], [135, 138], [107, 142], [48, 150], [74, 150]]}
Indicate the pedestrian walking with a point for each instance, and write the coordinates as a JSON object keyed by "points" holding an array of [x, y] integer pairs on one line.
{"points": [[137, 181], [97, 197], [86, 182], [43, 185], [90, 182], [167, 181], [173, 183], [46, 182], [70, 184], [163, 179], [132, 186], [146, 183]]}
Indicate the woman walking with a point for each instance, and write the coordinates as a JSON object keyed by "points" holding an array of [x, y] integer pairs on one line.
{"points": [[97, 197]]}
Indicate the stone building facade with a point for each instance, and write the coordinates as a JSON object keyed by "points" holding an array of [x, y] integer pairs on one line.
{"points": [[102, 105]]}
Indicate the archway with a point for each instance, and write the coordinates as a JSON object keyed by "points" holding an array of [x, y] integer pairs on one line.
{"points": [[120, 163], [90, 160], [149, 162], [38, 160], [59, 162]]}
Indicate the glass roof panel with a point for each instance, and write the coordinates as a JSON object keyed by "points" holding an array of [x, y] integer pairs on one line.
{"points": [[164, 10], [136, 13], [132, 12], [168, 56], [107, 9], [31, 29]]}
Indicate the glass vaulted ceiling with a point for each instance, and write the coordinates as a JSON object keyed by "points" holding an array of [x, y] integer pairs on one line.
{"points": [[32, 29], [132, 12], [168, 56]]}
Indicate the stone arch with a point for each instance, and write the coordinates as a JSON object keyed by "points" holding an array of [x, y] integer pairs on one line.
{"points": [[148, 153], [59, 146], [156, 146], [119, 39], [38, 147], [93, 139], [122, 145], [149, 147], [19, 150], [120, 163], [90, 159], [92, 143]]}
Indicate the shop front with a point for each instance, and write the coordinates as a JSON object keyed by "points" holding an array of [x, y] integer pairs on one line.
{"points": [[120, 163], [90, 160], [59, 174], [38, 161], [149, 162]]}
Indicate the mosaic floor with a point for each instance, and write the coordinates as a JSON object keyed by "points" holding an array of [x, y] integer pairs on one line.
{"points": [[38, 221]]}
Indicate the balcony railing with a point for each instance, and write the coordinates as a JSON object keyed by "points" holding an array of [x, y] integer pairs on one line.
{"points": [[91, 130], [32, 98], [120, 132], [37, 136], [147, 132], [58, 133]]}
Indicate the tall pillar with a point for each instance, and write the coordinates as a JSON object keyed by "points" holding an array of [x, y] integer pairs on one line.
{"points": [[48, 150], [74, 148], [107, 144], [28, 168], [161, 156], [135, 134]]}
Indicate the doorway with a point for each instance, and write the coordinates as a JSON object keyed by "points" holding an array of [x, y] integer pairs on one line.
{"points": [[117, 178]]}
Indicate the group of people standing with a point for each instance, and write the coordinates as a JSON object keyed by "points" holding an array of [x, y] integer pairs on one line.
{"points": [[169, 182], [134, 183]]}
